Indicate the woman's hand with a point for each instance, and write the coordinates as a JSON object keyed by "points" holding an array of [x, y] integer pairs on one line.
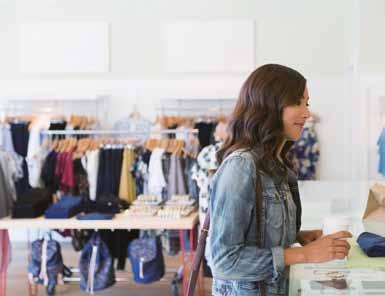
{"points": [[306, 236], [327, 248]]}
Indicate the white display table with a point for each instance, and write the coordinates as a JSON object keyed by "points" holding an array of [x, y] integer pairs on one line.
{"points": [[120, 221]]}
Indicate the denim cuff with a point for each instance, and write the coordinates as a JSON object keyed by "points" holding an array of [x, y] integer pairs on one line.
{"points": [[278, 262]]}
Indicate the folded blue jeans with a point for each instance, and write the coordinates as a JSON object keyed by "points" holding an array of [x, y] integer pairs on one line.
{"points": [[95, 216], [66, 207], [372, 244]]}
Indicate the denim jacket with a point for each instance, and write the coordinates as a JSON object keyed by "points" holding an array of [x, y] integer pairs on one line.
{"points": [[236, 262]]}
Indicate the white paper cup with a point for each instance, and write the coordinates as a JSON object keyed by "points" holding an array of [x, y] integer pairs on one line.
{"points": [[335, 224]]}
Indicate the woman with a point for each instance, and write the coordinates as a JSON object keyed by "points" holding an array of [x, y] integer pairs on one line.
{"points": [[253, 214]]}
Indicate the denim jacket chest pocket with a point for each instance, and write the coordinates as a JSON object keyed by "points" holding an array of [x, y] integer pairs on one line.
{"points": [[280, 216], [275, 216]]}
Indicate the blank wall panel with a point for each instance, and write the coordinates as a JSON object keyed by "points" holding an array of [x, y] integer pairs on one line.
{"points": [[209, 46], [70, 47]]}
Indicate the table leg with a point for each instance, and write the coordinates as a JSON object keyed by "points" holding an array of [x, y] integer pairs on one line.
{"points": [[4, 245], [201, 283], [185, 274], [3, 283], [192, 245], [2, 272], [192, 252]]}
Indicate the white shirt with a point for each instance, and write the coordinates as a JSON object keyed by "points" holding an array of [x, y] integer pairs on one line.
{"points": [[35, 155], [90, 162], [156, 180]]}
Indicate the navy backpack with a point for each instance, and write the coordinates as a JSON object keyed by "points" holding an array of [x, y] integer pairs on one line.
{"points": [[46, 264], [96, 265], [146, 259]]}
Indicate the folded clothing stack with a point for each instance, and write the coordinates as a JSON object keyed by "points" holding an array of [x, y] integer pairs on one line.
{"points": [[95, 216], [67, 207], [32, 203], [372, 244], [105, 203]]}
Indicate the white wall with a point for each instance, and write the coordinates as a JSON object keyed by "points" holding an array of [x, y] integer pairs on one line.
{"points": [[314, 37]]}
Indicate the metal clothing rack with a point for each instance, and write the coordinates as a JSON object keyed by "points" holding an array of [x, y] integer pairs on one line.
{"points": [[94, 105], [198, 106], [115, 132]]}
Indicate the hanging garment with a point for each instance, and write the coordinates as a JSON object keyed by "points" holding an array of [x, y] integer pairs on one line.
{"points": [[6, 138], [2, 134], [139, 171], [110, 168], [35, 153], [48, 171], [166, 164], [192, 186], [156, 181], [127, 188], [305, 152], [90, 163], [80, 237], [20, 137], [176, 185], [67, 172], [59, 168], [81, 185], [201, 173], [104, 173], [116, 170], [35, 165], [381, 152], [205, 132], [12, 165], [117, 242], [134, 124], [176, 178], [6, 200]]}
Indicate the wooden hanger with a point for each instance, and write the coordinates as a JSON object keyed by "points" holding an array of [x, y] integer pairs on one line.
{"points": [[179, 146], [59, 145], [163, 144]]}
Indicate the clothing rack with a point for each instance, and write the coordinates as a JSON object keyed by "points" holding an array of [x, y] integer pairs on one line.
{"points": [[115, 132], [220, 106], [94, 105]]}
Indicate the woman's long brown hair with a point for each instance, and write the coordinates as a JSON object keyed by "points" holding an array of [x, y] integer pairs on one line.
{"points": [[256, 122]]}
